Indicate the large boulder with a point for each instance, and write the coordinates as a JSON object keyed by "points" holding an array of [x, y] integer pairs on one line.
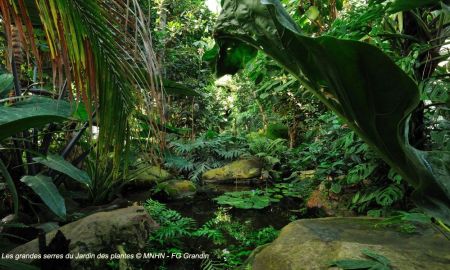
{"points": [[314, 243], [238, 171], [101, 232], [178, 189]]}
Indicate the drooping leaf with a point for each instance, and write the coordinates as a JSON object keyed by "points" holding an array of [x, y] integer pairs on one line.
{"points": [[404, 5], [6, 84], [356, 80], [47, 191], [30, 113], [59, 164]]}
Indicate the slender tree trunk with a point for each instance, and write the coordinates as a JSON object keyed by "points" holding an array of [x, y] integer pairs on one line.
{"points": [[292, 132], [262, 112]]}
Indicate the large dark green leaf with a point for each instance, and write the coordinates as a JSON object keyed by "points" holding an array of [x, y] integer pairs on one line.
{"points": [[404, 5], [354, 79], [6, 84], [30, 113], [43, 186], [57, 163]]}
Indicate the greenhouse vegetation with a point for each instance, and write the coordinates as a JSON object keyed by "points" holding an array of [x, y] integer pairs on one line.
{"points": [[232, 134]]}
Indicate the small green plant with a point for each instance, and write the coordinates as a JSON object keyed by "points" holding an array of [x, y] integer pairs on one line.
{"points": [[374, 261], [406, 222], [270, 151], [230, 241], [234, 241], [173, 226]]}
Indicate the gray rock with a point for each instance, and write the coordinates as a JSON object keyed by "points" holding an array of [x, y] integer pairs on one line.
{"points": [[100, 232], [314, 243]]}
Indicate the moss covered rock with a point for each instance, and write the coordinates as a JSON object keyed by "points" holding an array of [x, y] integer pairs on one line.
{"points": [[235, 171], [178, 189], [149, 175], [314, 243]]}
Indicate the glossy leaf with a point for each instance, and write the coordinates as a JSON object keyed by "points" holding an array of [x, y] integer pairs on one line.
{"points": [[356, 80], [6, 84], [59, 164], [30, 113], [47, 191]]}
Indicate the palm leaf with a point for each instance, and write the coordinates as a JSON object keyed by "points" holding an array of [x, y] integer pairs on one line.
{"points": [[97, 46]]}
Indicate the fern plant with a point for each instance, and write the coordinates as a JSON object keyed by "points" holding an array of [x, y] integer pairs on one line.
{"points": [[229, 241], [173, 226], [193, 158]]}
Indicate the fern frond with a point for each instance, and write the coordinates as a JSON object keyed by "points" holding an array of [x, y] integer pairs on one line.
{"points": [[179, 163]]}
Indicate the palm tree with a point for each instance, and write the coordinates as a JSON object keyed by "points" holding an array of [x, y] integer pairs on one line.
{"points": [[101, 51]]}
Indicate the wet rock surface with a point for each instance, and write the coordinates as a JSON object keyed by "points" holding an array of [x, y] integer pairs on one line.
{"points": [[314, 243]]}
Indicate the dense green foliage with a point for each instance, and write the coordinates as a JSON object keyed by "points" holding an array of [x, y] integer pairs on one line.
{"points": [[345, 76], [230, 242], [343, 105]]}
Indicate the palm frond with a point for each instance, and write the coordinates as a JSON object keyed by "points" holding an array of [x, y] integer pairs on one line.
{"points": [[104, 50]]}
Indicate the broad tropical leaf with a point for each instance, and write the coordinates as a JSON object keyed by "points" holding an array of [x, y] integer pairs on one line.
{"points": [[354, 79], [57, 163], [6, 84], [31, 112], [47, 191]]}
